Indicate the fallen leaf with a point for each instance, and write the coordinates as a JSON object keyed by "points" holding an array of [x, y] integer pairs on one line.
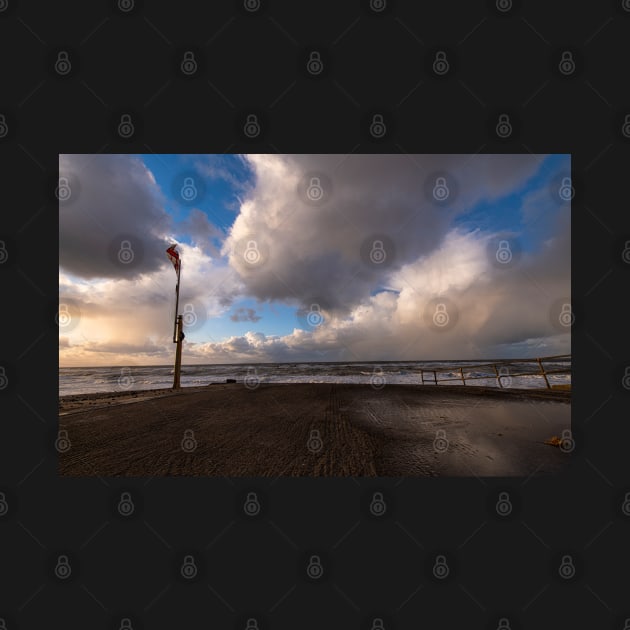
{"points": [[554, 441]]}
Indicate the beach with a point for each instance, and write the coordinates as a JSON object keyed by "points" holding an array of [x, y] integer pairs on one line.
{"points": [[315, 429]]}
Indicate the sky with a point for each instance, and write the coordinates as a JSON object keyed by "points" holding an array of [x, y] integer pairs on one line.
{"points": [[295, 258]]}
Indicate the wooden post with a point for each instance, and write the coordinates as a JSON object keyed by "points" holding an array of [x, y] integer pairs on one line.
{"points": [[542, 371], [435, 376], [461, 369], [494, 365], [178, 352]]}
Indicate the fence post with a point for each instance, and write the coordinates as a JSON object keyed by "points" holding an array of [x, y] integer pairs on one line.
{"points": [[542, 371], [494, 365], [461, 369], [435, 376]]}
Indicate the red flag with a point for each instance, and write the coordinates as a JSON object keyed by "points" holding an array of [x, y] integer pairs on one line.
{"points": [[173, 255]]}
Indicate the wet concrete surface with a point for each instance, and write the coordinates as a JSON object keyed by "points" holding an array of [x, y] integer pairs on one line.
{"points": [[318, 430]]}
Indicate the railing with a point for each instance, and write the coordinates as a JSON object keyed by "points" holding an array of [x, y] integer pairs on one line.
{"points": [[501, 373]]}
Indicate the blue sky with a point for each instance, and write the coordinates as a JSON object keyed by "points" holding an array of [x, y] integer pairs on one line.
{"points": [[315, 250]]}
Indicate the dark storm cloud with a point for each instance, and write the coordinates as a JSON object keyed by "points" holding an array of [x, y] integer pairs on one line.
{"points": [[115, 207]]}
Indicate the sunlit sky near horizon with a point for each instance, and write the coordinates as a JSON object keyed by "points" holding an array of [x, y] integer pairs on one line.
{"points": [[313, 257]]}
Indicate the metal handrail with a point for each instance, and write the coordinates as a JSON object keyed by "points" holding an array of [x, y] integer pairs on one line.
{"points": [[502, 363]]}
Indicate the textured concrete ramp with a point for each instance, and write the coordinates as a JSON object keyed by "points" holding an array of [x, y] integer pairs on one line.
{"points": [[316, 430]]}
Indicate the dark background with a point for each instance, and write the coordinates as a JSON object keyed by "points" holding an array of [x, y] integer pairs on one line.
{"points": [[376, 58]]}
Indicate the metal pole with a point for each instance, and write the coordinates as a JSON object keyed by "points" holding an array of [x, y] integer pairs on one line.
{"points": [[178, 352]]}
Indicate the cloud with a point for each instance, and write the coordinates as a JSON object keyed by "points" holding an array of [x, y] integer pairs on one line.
{"points": [[315, 253], [148, 347], [500, 312], [202, 231], [245, 315], [318, 250], [115, 204]]}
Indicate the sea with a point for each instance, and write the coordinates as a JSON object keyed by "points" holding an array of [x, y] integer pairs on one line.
{"points": [[513, 374]]}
